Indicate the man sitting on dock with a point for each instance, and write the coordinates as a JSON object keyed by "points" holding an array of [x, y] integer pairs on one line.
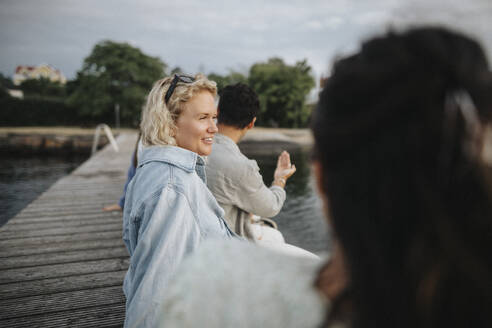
{"points": [[235, 180]]}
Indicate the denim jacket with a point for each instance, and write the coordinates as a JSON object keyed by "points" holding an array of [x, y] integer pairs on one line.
{"points": [[168, 212]]}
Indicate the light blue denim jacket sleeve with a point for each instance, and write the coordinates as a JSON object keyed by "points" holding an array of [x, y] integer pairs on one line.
{"points": [[168, 212]]}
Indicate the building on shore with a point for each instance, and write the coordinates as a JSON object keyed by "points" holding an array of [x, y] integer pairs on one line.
{"points": [[15, 93], [24, 72]]}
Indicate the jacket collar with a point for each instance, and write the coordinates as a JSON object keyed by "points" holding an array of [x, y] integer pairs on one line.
{"points": [[177, 156]]}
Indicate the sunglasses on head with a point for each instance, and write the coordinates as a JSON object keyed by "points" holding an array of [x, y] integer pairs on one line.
{"points": [[177, 78]]}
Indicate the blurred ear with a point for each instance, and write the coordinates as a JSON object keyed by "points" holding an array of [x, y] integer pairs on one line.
{"points": [[251, 124]]}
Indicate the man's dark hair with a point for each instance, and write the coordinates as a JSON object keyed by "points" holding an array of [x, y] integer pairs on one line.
{"points": [[238, 105]]}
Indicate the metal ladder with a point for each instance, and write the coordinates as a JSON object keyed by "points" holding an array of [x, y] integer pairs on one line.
{"points": [[109, 134]]}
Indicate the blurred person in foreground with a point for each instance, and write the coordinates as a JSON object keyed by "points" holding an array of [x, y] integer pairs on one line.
{"points": [[235, 180], [169, 210], [397, 160]]}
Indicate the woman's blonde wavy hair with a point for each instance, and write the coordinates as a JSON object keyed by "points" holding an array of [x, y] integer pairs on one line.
{"points": [[158, 124]]}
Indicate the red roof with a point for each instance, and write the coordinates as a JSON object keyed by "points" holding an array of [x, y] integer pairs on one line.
{"points": [[20, 67]]}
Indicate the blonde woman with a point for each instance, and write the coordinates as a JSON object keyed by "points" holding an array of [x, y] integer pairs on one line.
{"points": [[169, 211]]}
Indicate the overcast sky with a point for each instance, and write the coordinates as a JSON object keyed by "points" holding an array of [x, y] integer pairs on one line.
{"points": [[216, 36]]}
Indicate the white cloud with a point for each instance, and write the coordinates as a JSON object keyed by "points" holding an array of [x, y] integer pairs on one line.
{"points": [[329, 23], [334, 22], [375, 18]]}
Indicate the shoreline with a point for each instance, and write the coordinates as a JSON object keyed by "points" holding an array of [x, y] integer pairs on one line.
{"points": [[51, 140], [260, 140], [46, 140]]}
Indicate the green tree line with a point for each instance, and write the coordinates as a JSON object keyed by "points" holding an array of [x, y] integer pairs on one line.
{"points": [[118, 75]]}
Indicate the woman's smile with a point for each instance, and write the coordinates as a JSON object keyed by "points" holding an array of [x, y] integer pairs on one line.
{"points": [[209, 140]]}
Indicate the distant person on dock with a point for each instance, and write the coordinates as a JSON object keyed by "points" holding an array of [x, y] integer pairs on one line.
{"points": [[168, 209], [398, 163], [129, 176], [235, 180]]}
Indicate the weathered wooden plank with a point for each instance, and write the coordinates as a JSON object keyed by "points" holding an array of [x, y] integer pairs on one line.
{"points": [[67, 209], [59, 204], [62, 257], [75, 183], [56, 223], [72, 189], [72, 196], [44, 304], [71, 193], [70, 230], [72, 185], [65, 206], [76, 197], [80, 200], [88, 188], [63, 270], [23, 250], [38, 241], [63, 284], [95, 211], [112, 315]]}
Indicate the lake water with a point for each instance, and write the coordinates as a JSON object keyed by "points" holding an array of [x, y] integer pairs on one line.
{"points": [[22, 179], [301, 219]]}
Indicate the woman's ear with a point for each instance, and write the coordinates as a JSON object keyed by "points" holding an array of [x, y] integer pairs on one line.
{"points": [[172, 132], [251, 124], [333, 278]]}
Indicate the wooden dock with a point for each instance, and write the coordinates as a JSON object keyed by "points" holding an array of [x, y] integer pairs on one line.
{"points": [[62, 259]]}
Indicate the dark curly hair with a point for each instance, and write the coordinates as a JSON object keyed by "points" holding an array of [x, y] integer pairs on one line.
{"points": [[238, 105], [396, 135]]}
